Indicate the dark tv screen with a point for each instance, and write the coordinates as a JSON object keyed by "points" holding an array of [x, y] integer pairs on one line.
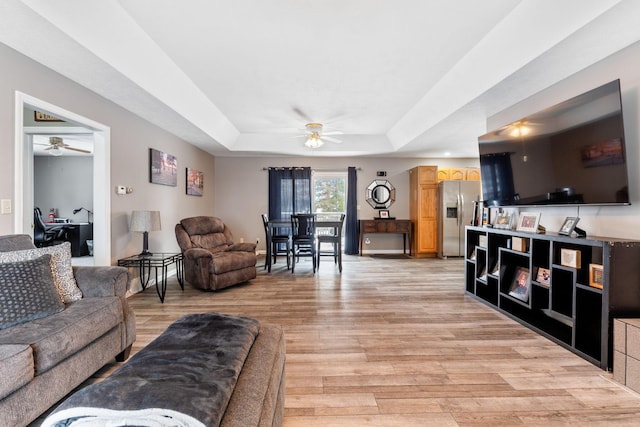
{"points": [[570, 153]]}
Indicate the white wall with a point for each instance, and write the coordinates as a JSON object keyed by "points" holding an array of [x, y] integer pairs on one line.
{"points": [[608, 221], [131, 138], [63, 183], [242, 193]]}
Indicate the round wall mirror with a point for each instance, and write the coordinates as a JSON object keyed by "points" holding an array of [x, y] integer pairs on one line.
{"points": [[381, 194]]}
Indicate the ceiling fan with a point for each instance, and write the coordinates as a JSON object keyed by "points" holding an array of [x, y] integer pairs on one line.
{"points": [[316, 136], [518, 129], [56, 144]]}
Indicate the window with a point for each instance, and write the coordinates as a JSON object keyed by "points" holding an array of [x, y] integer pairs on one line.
{"points": [[329, 194]]}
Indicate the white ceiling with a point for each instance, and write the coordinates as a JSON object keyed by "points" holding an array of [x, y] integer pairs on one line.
{"points": [[399, 78]]}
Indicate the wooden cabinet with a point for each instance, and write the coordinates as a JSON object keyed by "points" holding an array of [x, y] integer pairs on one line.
{"points": [[459, 174], [472, 174], [560, 298], [423, 209]]}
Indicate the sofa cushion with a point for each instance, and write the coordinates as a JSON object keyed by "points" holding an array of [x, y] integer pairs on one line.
{"points": [[16, 367], [63, 334], [230, 261], [60, 267], [27, 291]]}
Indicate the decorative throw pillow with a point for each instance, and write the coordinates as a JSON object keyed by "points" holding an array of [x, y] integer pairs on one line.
{"points": [[27, 291], [61, 268]]}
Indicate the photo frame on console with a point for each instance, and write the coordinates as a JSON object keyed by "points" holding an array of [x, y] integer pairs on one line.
{"points": [[568, 225], [503, 221], [528, 222], [384, 213]]}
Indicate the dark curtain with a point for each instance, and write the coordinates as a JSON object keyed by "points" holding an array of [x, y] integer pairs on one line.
{"points": [[497, 178], [351, 219], [289, 192]]}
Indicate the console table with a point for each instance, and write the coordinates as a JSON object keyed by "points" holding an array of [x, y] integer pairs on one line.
{"points": [[395, 226]]}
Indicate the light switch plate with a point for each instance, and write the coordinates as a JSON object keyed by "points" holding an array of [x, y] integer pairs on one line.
{"points": [[5, 206]]}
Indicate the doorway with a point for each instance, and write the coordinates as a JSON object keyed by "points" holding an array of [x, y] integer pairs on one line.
{"points": [[24, 175]]}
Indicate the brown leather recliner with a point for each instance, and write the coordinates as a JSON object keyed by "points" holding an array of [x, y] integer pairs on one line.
{"points": [[211, 259]]}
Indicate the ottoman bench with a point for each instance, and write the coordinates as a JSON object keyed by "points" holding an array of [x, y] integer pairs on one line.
{"points": [[206, 369]]}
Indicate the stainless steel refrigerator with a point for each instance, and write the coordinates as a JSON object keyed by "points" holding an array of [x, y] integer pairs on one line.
{"points": [[455, 211]]}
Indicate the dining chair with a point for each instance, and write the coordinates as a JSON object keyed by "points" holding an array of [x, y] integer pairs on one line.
{"points": [[334, 238], [303, 238], [274, 242]]}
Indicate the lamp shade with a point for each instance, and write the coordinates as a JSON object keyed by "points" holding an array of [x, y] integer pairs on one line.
{"points": [[145, 221]]}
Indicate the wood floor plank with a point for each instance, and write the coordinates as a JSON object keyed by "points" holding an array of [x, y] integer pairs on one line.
{"points": [[396, 342]]}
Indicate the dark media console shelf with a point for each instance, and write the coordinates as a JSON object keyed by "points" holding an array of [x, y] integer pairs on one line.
{"points": [[570, 309]]}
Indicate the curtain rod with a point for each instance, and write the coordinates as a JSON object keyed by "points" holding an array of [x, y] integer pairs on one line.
{"points": [[313, 169]]}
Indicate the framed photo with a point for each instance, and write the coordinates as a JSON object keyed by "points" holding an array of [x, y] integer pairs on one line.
{"points": [[528, 222], [503, 221], [42, 117], [384, 213], [543, 276], [595, 276], [520, 286], [569, 225], [495, 271], [195, 182], [163, 168], [570, 258]]}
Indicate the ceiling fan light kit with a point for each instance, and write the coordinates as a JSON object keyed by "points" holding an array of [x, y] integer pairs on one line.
{"points": [[315, 136]]}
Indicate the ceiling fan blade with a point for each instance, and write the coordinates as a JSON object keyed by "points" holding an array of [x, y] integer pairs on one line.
{"points": [[333, 132], [77, 149], [330, 139]]}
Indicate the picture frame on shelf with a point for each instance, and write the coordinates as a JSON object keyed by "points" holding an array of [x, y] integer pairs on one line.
{"points": [[528, 222], [503, 221], [521, 285], [483, 274], [568, 225], [543, 275], [570, 258], [596, 279], [383, 213], [495, 271]]}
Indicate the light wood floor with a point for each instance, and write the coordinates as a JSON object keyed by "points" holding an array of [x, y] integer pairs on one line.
{"points": [[395, 342]]}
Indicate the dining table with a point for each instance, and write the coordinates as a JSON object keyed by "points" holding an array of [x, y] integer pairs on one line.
{"points": [[284, 225]]}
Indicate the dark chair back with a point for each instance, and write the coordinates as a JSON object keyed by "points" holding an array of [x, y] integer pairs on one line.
{"points": [[39, 228], [303, 226]]}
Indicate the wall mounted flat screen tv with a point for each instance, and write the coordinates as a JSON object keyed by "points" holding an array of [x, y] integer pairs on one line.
{"points": [[570, 153]]}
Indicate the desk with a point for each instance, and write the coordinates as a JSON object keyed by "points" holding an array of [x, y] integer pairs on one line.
{"points": [[397, 226], [77, 234], [156, 260], [286, 224]]}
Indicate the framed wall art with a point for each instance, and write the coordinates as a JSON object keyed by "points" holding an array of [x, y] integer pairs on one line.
{"points": [[163, 168], [195, 182]]}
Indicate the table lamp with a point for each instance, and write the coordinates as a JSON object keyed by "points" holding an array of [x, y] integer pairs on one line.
{"points": [[145, 221], [75, 211]]}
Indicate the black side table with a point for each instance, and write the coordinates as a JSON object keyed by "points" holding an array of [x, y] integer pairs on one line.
{"points": [[144, 263]]}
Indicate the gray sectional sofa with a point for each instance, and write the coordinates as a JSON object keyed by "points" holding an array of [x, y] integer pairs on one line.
{"points": [[44, 359]]}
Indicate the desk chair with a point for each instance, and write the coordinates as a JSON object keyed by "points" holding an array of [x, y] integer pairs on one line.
{"points": [[274, 242], [44, 235], [335, 239], [303, 238]]}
